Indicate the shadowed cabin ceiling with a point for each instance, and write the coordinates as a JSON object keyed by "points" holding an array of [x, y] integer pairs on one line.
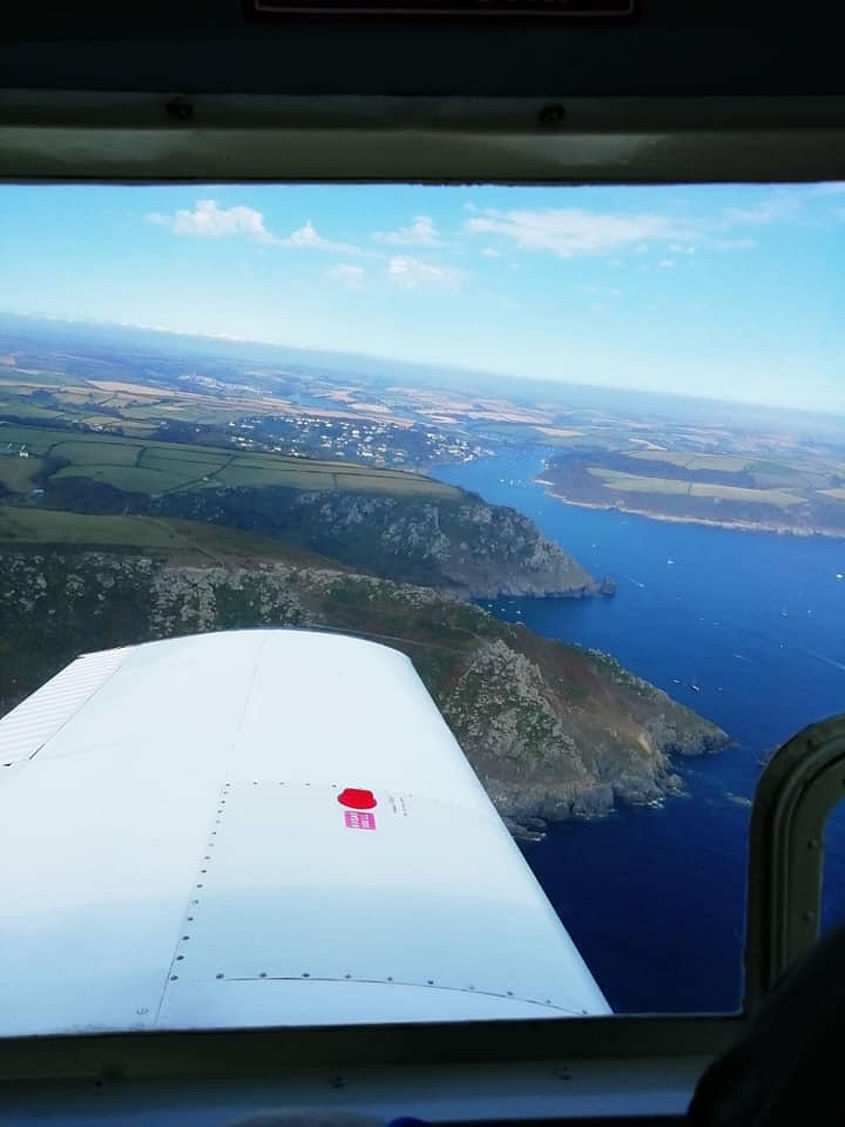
{"points": [[673, 48]]}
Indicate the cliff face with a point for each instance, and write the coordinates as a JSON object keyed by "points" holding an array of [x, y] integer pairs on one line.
{"points": [[469, 546], [557, 731], [462, 545], [552, 730]]}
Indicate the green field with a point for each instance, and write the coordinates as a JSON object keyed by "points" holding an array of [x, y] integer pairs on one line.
{"points": [[129, 478], [720, 463], [13, 378], [184, 540], [182, 472], [39, 439], [20, 406], [774, 469], [631, 483], [17, 474], [668, 457], [46, 526], [105, 452], [154, 456], [736, 493], [134, 465]]}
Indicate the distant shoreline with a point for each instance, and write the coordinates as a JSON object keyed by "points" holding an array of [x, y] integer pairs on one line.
{"points": [[740, 526]]}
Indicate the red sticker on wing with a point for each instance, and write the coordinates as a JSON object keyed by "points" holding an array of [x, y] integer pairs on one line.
{"points": [[357, 799]]}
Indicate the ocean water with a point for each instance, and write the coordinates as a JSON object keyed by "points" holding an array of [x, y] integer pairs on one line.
{"points": [[655, 897]]}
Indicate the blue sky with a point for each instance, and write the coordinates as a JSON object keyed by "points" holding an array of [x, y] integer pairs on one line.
{"points": [[734, 292]]}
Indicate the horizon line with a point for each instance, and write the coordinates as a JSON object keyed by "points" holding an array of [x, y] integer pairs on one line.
{"points": [[227, 338]]}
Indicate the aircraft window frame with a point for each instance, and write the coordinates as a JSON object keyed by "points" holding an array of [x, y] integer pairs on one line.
{"points": [[243, 1052], [74, 137], [145, 137], [796, 792]]}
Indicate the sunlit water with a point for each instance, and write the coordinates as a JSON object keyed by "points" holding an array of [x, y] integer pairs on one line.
{"points": [[655, 898]]}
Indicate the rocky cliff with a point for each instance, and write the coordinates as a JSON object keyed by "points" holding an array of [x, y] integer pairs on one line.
{"points": [[552, 730], [458, 544], [468, 546]]}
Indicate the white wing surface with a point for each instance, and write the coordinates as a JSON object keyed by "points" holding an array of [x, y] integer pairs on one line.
{"points": [[266, 827]]}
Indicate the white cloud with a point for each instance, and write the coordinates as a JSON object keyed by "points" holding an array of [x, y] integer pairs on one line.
{"points": [[306, 237], [776, 207], [420, 232], [573, 232], [351, 276], [667, 263], [412, 272], [568, 232], [210, 221], [489, 252]]}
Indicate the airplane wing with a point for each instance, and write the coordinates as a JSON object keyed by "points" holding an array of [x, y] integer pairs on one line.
{"points": [[259, 827]]}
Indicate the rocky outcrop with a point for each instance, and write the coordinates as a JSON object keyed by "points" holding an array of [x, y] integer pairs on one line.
{"points": [[458, 544], [511, 731], [558, 731], [467, 546], [552, 730]]}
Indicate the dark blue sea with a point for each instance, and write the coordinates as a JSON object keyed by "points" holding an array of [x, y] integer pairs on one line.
{"points": [[654, 897]]}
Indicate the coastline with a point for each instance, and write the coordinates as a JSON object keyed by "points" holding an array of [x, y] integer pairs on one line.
{"points": [[740, 526]]}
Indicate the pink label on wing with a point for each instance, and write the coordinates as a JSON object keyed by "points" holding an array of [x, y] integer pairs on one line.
{"points": [[359, 820]]}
